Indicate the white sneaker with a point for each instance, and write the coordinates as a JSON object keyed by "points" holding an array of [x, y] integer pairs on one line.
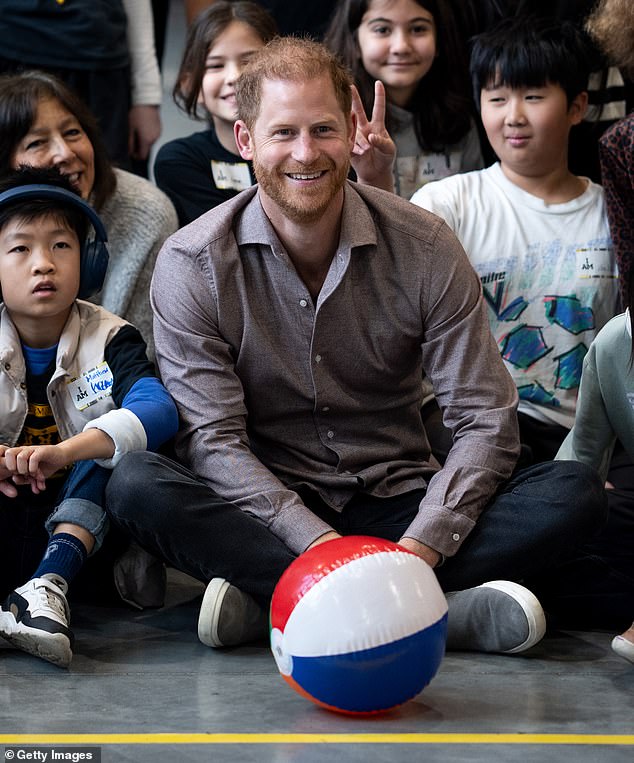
{"points": [[623, 647], [499, 617], [35, 618], [229, 617]]}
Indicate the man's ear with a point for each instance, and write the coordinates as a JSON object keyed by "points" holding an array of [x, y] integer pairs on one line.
{"points": [[243, 140], [578, 107], [352, 127]]}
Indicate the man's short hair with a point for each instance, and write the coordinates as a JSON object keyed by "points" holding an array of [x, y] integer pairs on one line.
{"points": [[530, 52], [293, 59]]}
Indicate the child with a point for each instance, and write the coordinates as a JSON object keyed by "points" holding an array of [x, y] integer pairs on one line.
{"points": [[538, 237], [536, 234], [203, 170], [77, 394], [605, 413], [415, 49]]}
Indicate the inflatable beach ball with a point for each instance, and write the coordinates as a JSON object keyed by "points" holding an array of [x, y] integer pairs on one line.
{"points": [[358, 625]]}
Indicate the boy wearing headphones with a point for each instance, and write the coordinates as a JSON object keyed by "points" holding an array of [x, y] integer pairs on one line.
{"points": [[77, 391]]}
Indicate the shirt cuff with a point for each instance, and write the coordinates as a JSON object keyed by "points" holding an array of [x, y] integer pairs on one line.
{"points": [[440, 528], [124, 429]]}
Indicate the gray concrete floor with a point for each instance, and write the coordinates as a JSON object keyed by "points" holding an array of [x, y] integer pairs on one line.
{"points": [[145, 674]]}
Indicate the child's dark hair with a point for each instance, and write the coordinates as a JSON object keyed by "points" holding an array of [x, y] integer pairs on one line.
{"points": [[203, 33], [32, 209], [526, 51], [441, 103]]}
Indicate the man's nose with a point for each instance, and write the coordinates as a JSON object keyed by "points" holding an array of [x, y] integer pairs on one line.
{"points": [[305, 149]]}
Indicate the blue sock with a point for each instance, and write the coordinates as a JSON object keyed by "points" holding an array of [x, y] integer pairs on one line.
{"points": [[64, 557]]}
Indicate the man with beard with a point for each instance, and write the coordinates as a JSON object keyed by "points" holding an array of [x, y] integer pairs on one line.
{"points": [[293, 326]]}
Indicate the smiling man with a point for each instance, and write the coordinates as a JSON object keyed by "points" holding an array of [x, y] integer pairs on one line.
{"points": [[294, 324]]}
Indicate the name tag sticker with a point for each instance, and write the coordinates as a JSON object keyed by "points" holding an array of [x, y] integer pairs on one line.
{"points": [[231, 176], [595, 263], [91, 386]]}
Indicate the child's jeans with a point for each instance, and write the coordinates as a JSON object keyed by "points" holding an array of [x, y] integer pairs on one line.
{"points": [[25, 519], [81, 499]]}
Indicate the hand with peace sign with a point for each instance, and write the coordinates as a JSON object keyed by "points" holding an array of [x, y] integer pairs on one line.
{"points": [[374, 150]]}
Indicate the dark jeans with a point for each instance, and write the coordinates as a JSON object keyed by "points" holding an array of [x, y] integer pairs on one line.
{"points": [[532, 524], [23, 519], [595, 589]]}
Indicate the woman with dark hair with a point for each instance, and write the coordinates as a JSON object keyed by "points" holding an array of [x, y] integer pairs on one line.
{"points": [[415, 48], [42, 124], [204, 169]]}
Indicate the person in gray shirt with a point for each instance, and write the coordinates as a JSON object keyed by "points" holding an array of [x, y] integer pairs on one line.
{"points": [[293, 327]]}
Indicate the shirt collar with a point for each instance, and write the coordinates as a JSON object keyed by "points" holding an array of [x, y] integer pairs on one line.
{"points": [[357, 224]]}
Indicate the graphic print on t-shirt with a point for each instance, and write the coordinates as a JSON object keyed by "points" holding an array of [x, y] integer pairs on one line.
{"points": [[542, 314]]}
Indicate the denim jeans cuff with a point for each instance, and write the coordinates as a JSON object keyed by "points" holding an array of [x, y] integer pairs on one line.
{"points": [[83, 513]]}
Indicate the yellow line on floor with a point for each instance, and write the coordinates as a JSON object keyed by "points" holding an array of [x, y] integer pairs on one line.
{"points": [[281, 738]]}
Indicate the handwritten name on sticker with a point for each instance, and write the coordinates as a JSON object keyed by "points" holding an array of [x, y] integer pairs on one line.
{"points": [[91, 386], [235, 177]]}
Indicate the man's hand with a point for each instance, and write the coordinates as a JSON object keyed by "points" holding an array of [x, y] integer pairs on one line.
{"points": [[332, 535], [144, 130], [374, 150], [426, 553]]}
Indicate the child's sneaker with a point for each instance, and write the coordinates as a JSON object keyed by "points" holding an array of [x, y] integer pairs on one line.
{"points": [[35, 618]]}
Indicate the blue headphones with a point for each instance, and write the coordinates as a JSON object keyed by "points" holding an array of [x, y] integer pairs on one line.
{"points": [[93, 254]]}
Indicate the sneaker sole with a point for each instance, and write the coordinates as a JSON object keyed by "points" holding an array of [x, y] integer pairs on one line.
{"points": [[623, 648], [54, 647], [531, 607], [210, 612]]}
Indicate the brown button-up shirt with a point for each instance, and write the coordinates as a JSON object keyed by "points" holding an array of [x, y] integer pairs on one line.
{"points": [[274, 390]]}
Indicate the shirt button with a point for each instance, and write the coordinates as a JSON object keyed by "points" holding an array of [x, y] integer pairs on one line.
{"points": [[317, 358], [325, 409], [456, 536], [330, 434], [303, 302]]}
